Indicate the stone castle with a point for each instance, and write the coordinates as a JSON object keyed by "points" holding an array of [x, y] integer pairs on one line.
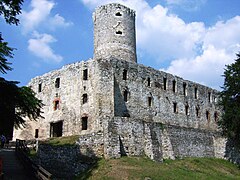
{"points": [[119, 107]]}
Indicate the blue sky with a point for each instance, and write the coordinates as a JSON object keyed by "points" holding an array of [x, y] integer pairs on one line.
{"points": [[193, 39]]}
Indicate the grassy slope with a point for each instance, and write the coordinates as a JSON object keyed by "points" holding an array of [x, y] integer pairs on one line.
{"points": [[143, 168]]}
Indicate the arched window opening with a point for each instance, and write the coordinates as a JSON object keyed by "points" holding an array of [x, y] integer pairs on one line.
{"points": [[148, 81], [119, 32], [85, 98], [175, 107], [125, 95], [174, 86], [118, 14], [124, 74], [165, 83], [184, 89], [56, 104]]}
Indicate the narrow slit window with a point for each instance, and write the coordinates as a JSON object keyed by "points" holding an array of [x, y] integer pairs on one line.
{"points": [[125, 95], [195, 93], [84, 123], [187, 109], [56, 105], [207, 115], [148, 82], [85, 98], [184, 89], [215, 116], [149, 101], [124, 74], [165, 83], [119, 32], [40, 87], [175, 107], [36, 133], [85, 74], [209, 96], [57, 83], [174, 86], [197, 111]]}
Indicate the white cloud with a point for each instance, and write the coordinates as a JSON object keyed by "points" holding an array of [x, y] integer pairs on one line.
{"points": [[194, 51], [39, 46], [40, 14], [188, 5], [59, 21]]}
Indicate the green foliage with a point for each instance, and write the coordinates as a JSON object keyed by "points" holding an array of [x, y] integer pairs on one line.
{"points": [[9, 9], [5, 52], [230, 101], [17, 103]]}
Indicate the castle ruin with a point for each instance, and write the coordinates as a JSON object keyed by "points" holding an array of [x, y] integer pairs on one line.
{"points": [[120, 107]]}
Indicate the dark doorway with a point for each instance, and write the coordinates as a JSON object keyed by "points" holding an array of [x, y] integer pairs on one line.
{"points": [[56, 129]]}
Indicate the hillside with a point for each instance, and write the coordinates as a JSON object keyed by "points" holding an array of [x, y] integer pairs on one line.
{"points": [[144, 168]]}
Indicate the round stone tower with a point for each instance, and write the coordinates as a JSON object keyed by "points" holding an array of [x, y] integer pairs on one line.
{"points": [[114, 32]]}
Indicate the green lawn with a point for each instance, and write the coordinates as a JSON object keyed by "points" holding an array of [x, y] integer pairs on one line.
{"points": [[144, 168]]}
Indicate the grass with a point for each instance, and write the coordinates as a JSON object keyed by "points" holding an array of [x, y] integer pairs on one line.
{"points": [[62, 141], [144, 168]]}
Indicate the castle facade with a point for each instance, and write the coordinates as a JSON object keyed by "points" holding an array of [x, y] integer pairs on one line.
{"points": [[120, 107]]}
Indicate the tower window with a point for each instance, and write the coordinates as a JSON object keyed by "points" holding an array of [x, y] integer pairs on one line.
{"points": [[119, 32], [57, 83], [84, 123], [124, 74], [85, 98], [85, 74], [149, 101], [195, 93], [118, 14], [148, 81], [184, 89], [187, 109], [175, 107], [125, 95], [56, 105], [165, 83], [40, 87], [174, 86]]}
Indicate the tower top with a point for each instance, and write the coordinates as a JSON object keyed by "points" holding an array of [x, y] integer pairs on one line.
{"points": [[114, 32]]}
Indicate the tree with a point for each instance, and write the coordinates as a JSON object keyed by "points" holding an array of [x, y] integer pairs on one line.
{"points": [[230, 101], [16, 103]]}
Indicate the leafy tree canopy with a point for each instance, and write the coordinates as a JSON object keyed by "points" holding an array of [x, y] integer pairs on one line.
{"points": [[230, 101], [16, 103]]}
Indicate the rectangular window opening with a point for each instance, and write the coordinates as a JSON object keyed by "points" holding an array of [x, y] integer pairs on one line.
{"points": [[125, 95], [40, 87], [56, 105], [85, 74], [149, 101], [174, 86], [187, 110], [175, 107], [197, 112], [184, 89], [165, 83], [56, 129], [207, 115], [57, 83], [124, 74], [84, 123], [195, 93], [148, 82], [209, 97], [85, 98], [36, 133]]}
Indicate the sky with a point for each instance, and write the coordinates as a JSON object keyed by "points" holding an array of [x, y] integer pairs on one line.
{"points": [[193, 39]]}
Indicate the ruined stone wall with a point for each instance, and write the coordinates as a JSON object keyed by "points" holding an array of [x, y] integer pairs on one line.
{"points": [[70, 94], [149, 98], [114, 32]]}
